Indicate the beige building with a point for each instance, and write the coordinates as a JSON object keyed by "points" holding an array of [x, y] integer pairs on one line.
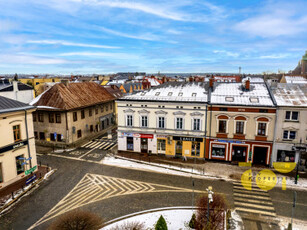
{"points": [[69, 113], [17, 144]]}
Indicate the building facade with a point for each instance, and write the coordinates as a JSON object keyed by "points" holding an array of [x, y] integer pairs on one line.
{"points": [[241, 122], [17, 144], [68, 113], [168, 119], [291, 125]]}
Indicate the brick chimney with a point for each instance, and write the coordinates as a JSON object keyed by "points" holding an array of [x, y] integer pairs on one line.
{"points": [[247, 84], [211, 81], [190, 79]]}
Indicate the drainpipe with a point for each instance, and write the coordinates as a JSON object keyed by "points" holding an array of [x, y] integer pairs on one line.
{"points": [[29, 154], [274, 138], [205, 131]]}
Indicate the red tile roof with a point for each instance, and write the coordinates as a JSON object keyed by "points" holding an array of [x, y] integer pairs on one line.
{"points": [[74, 95]]}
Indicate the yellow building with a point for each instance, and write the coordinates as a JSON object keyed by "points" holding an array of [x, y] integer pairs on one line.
{"points": [[38, 82], [17, 144]]}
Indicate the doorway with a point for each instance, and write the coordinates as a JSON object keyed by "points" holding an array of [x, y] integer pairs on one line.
{"points": [[239, 153], [130, 143], [178, 148], [260, 155], [144, 145]]}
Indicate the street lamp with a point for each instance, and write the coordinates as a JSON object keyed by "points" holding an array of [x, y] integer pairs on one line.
{"points": [[210, 200]]}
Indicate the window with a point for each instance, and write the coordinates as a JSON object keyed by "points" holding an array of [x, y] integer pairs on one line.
{"points": [[196, 124], [179, 123], [254, 99], [222, 126], [239, 127], [161, 122], [40, 117], [195, 148], [261, 129], [59, 137], [75, 116], [91, 128], [58, 118], [52, 137], [289, 135], [16, 131], [107, 107], [263, 110], [144, 122], [42, 136], [108, 122], [229, 99], [96, 110], [129, 120], [285, 156], [36, 135], [223, 109], [101, 108], [34, 117], [180, 94], [90, 113], [82, 114], [79, 133], [157, 93], [292, 115], [111, 106], [170, 94], [194, 94], [51, 117], [19, 164], [218, 151], [161, 144]]}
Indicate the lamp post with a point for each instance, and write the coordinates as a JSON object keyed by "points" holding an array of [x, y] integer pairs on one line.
{"points": [[210, 200]]}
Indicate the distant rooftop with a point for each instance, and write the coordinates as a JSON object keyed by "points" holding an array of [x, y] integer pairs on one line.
{"points": [[290, 94], [295, 79]]}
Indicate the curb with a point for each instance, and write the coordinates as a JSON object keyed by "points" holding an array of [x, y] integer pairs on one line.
{"points": [[6, 206]]}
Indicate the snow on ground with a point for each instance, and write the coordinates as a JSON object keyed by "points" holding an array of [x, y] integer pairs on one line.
{"points": [[63, 150], [297, 224], [175, 219]]}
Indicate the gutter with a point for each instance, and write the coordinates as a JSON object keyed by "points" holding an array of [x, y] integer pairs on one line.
{"points": [[29, 153], [17, 109]]}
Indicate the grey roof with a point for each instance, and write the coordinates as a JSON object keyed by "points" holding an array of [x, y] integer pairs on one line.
{"points": [[10, 105], [287, 94], [5, 86]]}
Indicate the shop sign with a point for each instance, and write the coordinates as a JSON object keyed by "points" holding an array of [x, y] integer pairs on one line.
{"points": [[127, 134], [177, 138], [162, 136], [27, 172], [30, 179], [230, 141], [13, 146], [218, 146], [137, 135], [148, 136]]}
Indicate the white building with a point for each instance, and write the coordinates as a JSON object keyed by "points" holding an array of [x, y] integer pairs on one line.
{"points": [[168, 119], [291, 125]]}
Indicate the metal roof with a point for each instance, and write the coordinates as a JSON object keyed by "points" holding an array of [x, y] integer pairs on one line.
{"points": [[10, 105]]}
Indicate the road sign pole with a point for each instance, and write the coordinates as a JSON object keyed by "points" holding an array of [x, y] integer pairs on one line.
{"points": [[293, 207]]}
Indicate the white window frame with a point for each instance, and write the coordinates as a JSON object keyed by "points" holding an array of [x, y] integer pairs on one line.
{"points": [[193, 124], [158, 122], [182, 123], [288, 136], [266, 128], [141, 121], [291, 114], [217, 125], [235, 127], [127, 123]]}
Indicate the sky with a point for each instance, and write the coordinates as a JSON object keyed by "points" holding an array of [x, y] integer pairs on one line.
{"points": [[171, 36]]}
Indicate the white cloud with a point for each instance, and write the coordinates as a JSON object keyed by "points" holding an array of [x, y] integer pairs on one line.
{"points": [[65, 43], [101, 54], [227, 53], [30, 59], [274, 56]]}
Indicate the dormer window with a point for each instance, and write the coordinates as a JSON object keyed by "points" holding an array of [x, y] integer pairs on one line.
{"points": [[170, 94], [254, 99], [157, 93], [143, 93], [180, 94], [194, 94], [229, 99]]}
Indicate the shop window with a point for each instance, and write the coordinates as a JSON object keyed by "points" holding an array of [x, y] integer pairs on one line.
{"points": [[179, 123], [144, 121], [36, 135], [289, 135], [129, 121], [222, 126], [1, 175], [218, 151], [239, 127], [161, 144], [59, 137], [75, 116], [292, 115], [285, 156], [79, 133], [91, 128], [19, 164], [161, 122], [58, 118], [261, 129], [196, 124], [52, 138], [82, 114], [195, 148], [41, 117], [129, 143], [34, 115], [90, 113], [51, 117], [42, 136], [17, 134]]}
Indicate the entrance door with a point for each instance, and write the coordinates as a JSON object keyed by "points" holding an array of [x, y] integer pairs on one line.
{"points": [[130, 143], [260, 154], [178, 148], [144, 145], [239, 153]]}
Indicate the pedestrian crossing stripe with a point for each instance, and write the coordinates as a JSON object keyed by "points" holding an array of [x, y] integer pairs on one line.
{"points": [[87, 143], [252, 192], [103, 145], [99, 145], [252, 196], [273, 214], [93, 188], [245, 200], [253, 189], [254, 206]]}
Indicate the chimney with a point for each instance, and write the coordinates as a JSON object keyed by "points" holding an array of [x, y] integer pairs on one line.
{"points": [[211, 80], [190, 79], [247, 84]]}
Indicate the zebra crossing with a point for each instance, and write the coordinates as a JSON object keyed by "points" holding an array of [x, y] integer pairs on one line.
{"points": [[253, 203], [99, 144]]}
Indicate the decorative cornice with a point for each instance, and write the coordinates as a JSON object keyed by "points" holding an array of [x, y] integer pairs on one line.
{"points": [[144, 111], [180, 113], [129, 111], [161, 112], [196, 114]]}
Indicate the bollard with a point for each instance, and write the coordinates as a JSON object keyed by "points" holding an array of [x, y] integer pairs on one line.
{"points": [[12, 195]]}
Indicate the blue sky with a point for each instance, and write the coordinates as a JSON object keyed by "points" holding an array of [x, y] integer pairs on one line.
{"points": [[105, 36]]}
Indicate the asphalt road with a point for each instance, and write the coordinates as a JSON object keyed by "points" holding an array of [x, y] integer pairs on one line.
{"points": [[30, 209]]}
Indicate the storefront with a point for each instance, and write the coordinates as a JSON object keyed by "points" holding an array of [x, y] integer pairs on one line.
{"points": [[188, 146], [136, 142]]}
